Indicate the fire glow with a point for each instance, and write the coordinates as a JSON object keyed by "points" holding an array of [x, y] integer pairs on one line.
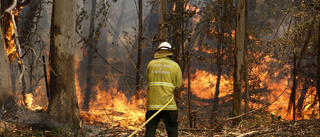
{"points": [[113, 107], [203, 86], [11, 46]]}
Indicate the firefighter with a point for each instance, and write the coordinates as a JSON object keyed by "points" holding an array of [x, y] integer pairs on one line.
{"points": [[163, 76]]}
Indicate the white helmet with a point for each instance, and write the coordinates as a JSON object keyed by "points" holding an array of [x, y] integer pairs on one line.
{"points": [[164, 45]]}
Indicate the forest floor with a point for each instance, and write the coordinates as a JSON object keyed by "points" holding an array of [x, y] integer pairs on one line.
{"points": [[299, 128], [258, 126]]}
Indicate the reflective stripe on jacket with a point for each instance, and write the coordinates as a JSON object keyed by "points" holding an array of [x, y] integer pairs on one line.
{"points": [[163, 76]]}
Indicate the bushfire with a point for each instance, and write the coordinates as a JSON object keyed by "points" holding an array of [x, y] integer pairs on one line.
{"points": [[115, 108]]}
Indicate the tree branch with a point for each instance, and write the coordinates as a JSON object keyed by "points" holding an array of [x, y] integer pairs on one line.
{"points": [[14, 4]]}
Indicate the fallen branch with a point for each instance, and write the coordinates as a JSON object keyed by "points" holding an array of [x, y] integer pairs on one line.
{"points": [[195, 129], [244, 134], [251, 133]]}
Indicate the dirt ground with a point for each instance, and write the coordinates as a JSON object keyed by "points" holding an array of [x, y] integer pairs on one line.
{"points": [[258, 126]]}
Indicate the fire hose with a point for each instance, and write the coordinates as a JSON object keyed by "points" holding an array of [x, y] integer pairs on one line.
{"points": [[152, 117]]}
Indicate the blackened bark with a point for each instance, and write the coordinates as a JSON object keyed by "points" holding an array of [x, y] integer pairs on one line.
{"points": [[306, 85], [138, 74], [297, 67], [189, 93], [91, 51], [318, 68]]}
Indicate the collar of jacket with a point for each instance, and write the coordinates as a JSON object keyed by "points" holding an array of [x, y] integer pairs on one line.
{"points": [[162, 53]]}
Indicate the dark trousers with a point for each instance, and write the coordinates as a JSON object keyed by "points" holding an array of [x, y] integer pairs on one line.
{"points": [[168, 117]]}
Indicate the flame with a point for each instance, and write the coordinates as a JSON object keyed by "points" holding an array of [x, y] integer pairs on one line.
{"points": [[77, 83], [113, 107], [206, 50], [273, 82], [11, 46], [189, 7], [29, 101], [10, 39], [39, 102], [203, 84], [196, 17]]}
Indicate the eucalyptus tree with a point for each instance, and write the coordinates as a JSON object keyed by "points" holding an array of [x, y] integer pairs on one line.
{"points": [[63, 103], [239, 62]]}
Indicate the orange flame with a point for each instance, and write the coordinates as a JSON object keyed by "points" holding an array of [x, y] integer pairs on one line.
{"points": [[11, 46], [189, 7], [37, 100], [113, 107], [203, 84], [29, 101]]}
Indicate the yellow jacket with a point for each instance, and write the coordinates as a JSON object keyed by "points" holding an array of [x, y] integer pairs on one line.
{"points": [[163, 76]]}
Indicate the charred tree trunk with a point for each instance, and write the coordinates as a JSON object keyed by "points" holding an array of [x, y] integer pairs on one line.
{"points": [[297, 67], [292, 101], [63, 104], [246, 77], [163, 22], [318, 68], [6, 93], [306, 85], [219, 73], [138, 75], [178, 42], [238, 71], [91, 50], [189, 92], [216, 94], [177, 32]]}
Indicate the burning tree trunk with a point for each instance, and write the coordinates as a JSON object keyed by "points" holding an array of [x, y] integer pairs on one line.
{"points": [[12, 42], [6, 93], [238, 71], [63, 104]]}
